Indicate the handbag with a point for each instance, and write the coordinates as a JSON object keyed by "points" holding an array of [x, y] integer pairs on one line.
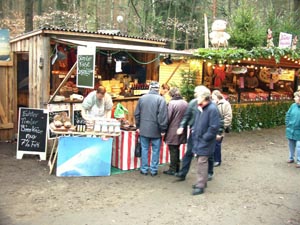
{"points": [[138, 148], [227, 129]]}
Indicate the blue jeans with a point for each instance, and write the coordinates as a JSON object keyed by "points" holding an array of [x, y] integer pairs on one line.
{"points": [[294, 145], [217, 154], [145, 143]]}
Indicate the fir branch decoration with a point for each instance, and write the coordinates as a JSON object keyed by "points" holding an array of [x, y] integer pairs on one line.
{"points": [[231, 55]]}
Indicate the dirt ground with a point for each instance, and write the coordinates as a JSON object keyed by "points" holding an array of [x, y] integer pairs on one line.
{"points": [[254, 185]]}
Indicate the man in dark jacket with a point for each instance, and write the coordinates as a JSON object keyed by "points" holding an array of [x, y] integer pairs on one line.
{"points": [[188, 120], [151, 119], [205, 130]]}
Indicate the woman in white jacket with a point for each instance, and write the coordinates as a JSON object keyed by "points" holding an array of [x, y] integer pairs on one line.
{"points": [[226, 112]]}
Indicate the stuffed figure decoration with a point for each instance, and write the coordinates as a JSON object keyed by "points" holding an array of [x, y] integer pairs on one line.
{"points": [[270, 43], [218, 36]]}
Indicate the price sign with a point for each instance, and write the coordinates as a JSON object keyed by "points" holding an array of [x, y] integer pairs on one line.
{"points": [[86, 66], [32, 132]]}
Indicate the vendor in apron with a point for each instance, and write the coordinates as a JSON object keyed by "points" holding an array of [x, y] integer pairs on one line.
{"points": [[97, 104]]}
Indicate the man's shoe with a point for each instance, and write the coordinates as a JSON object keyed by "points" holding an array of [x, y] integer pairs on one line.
{"points": [[198, 191], [194, 186], [153, 174], [180, 176], [290, 161], [210, 177], [169, 172], [145, 174], [298, 166], [217, 164]]}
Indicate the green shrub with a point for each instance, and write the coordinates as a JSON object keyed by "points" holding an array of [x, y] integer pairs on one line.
{"points": [[254, 116]]}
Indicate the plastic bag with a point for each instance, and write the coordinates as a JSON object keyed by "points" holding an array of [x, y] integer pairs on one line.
{"points": [[138, 148], [120, 111]]}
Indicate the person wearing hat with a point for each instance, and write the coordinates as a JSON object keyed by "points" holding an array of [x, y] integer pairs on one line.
{"points": [[151, 120], [292, 132], [205, 130]]}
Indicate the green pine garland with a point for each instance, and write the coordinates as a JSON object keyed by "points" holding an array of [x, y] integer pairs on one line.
{"points": [[232, 55]]}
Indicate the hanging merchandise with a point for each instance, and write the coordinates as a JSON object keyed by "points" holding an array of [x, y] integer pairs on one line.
{"points": [[120, 111], [118, 66]]}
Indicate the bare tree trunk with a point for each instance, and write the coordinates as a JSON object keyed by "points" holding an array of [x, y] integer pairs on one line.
{"points": [[186, 46], [28, 15], [1, 9], [40, 7]]}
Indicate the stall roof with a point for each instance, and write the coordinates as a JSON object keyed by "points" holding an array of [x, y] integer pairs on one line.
{"points": [[123, 47]]}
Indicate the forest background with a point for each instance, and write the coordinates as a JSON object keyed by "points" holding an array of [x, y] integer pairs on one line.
{"points": [[179, 22]]}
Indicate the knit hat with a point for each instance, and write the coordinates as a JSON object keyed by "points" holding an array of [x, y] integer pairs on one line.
{"points": [[154, 85]]}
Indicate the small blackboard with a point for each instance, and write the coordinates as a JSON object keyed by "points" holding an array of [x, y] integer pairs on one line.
{"points": [[77, 118], [85, 66], [51, 116], [32, 132]]}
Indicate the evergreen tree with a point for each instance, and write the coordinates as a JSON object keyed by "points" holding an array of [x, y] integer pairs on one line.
{"points": [[245, 28]]}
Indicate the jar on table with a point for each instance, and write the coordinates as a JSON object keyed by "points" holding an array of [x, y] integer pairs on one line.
{"points": [[97, 126], [104, 127]]}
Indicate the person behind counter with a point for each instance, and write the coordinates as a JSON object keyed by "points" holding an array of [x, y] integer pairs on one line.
{"points": [[251, 81], [97, 103]]}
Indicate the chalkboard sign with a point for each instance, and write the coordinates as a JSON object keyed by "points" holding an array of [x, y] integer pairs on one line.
{"points": [[77, 117], [32, 132], [51, 116], [85, 67], [55, 109]]}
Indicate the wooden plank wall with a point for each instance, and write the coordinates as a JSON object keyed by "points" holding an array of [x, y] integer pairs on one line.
{"points": [[165, 71], [8, 102], [38, 48]]}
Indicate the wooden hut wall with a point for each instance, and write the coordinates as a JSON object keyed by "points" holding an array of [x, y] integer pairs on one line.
{"points": [[38, 49], [8, 103], [172, 73]]}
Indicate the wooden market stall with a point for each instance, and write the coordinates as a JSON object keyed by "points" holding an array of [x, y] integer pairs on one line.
{"points": [[41, 59], [275, 81]]}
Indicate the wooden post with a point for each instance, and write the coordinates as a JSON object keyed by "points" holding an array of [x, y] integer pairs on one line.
{"points": [[63, 82], [170, 77]]}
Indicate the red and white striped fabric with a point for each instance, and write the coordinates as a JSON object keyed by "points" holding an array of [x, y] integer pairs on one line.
{"points": [[123, 152]]}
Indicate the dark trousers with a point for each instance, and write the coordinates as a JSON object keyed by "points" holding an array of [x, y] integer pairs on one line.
{"points": [[217, 154], [174, 157], [187, 158], [211, 164]]}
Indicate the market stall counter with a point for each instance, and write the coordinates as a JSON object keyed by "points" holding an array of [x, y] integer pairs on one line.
{"points": [[123, 151]]}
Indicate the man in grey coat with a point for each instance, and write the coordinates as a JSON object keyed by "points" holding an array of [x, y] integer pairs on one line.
{"points": [[151, 119]]}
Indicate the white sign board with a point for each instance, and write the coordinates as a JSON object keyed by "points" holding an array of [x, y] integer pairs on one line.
{"points": [[285, 40]]}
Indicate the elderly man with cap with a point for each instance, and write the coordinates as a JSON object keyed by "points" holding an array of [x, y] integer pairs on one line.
{"points": [[205, 130], [151, 119]]}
